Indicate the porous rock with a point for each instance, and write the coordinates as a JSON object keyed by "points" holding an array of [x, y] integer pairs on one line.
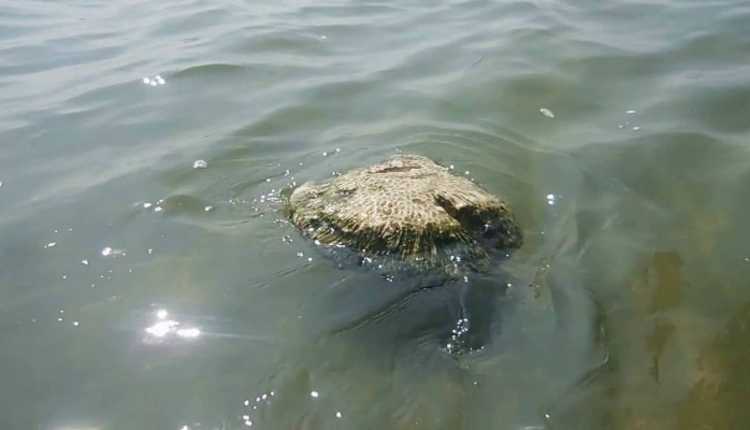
{"points": [[406, 210]]}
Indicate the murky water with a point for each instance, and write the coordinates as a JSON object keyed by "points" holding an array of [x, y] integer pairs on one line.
{"points": [[142, 290]]}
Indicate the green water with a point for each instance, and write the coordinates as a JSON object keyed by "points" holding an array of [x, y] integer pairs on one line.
{"points": [[629, 305]]}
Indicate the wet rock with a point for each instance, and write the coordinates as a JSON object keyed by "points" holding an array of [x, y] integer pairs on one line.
{"points": [[408, 209]]}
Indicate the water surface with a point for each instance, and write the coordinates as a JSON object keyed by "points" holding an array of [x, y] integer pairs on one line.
{"points": [[137, 291]]}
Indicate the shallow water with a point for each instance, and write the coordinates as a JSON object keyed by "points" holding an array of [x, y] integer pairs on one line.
{"points": [[627, 306]]}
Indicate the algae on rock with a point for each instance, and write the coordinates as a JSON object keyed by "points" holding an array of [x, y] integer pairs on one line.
{"points": [[407, 210]]}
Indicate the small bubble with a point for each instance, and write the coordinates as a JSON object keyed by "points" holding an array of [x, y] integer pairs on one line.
{"points": [[636, 128], [325, 154], [338, 149], [314, 394], [264, 396], [85, 262], [106, 251], [309, 259], [323, 37], [631, 112], [158, 209], [208, 208], [150, 251], [467, 173], [146, 81], [60, 319], [246, 402], [64, 276], [147, 205], [620, 126], [339, 414], [50, 245], [160, 80], [153, 83], [200, 164], [76, 323]]}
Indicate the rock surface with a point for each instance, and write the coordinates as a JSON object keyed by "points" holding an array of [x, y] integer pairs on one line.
{"points": [[407, 209]]}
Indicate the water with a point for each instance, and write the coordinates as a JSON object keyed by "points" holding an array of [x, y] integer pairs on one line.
{"points": [[137, 291]]}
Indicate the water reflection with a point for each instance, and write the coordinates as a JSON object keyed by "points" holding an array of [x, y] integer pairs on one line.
{"points": [[154, 81], [108, 251], [164, 328]]}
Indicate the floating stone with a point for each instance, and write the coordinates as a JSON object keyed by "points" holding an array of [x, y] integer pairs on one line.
{"points": [[409, 210]]}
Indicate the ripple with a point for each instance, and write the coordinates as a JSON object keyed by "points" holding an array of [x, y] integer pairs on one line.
{"points": [[214, 70]]}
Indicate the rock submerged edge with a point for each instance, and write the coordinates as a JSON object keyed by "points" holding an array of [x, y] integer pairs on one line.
{"points": [[407, 209]]}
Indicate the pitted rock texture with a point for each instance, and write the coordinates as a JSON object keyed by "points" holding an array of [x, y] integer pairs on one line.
{"points": [[408, 209]]}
